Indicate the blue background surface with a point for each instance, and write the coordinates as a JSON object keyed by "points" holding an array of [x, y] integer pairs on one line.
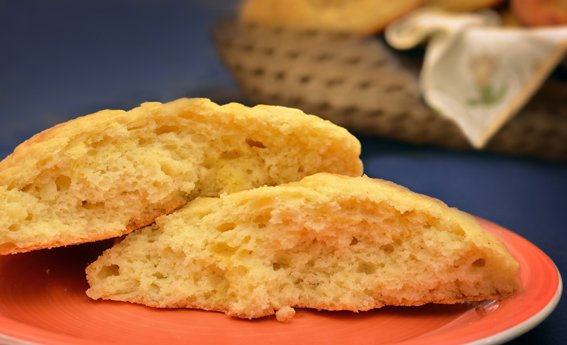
{"points": [[61, 58]]}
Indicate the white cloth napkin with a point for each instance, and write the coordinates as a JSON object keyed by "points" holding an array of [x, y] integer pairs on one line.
{"points": [[475, 72]]}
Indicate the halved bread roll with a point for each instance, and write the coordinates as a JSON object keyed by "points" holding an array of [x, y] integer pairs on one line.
{"points": [[106, 174], [327, 242]]}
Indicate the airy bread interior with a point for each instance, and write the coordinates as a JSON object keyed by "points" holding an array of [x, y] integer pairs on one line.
{"points": [[109, 173], [327, 242]]}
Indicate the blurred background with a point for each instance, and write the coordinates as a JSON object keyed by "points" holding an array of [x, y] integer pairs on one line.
{"points": [[60, 59]]}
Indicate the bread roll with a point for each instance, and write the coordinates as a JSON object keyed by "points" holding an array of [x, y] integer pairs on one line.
{"points": [[361, 17], [106, 174], [327, 242]]}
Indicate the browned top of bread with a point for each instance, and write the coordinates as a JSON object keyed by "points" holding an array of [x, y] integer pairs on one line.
{"points": [[362, 17]]}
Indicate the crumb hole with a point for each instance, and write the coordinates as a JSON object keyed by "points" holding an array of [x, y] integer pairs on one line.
{"points": [[101, 142], [262, 219], [388, 248], [458, 231], [223, 249], [366, 268], [166, 129], [159, 275], [226, 227], [92, 205], [255, 143], [154, 288], [479, 262], [245, 240], [63, 182], [276, 266], [14, 227], [229, 155], [353, 241], [166, 168], [109, 271]]}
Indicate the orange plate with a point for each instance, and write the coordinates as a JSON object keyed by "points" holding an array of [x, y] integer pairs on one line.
{"points": [[42, 300]]}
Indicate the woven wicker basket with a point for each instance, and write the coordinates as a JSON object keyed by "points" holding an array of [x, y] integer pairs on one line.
{"points": [[367, 87]]}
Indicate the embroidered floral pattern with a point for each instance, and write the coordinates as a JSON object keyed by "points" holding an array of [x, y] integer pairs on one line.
{"points": [[482, 68]]}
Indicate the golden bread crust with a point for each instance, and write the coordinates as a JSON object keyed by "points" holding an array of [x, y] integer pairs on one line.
{"points": [[362, 17]]}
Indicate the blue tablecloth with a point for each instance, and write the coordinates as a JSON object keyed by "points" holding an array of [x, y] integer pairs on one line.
{"points": [[62, 58]]}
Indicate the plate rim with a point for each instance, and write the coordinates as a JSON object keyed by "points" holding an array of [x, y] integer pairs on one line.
{"points": [[528, 324]]}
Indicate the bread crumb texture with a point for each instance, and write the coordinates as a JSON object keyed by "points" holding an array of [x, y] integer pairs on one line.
{"points": [[108, 173], [327, 242]]}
